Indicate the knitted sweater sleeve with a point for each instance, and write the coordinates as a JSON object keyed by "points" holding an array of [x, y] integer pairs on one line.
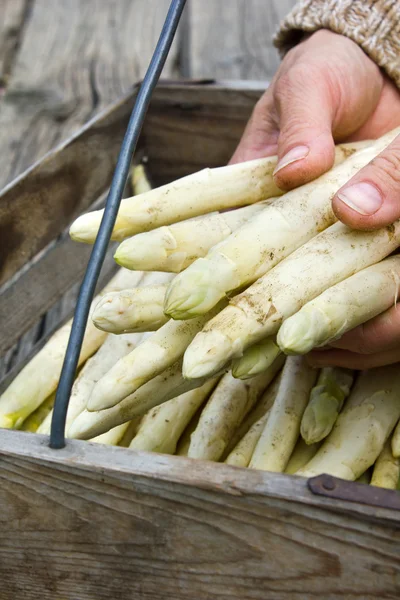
{"points": [[373, 24]]}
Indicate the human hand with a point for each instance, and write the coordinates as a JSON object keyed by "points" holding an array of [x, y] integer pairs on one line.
{"points": [[327, 90]]}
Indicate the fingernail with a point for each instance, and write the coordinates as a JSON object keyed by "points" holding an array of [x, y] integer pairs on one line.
{"points": [[292, 156], [362, 197]]}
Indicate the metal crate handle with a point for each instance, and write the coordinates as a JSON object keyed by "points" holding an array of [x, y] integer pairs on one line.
{"points": [[86, 292]]}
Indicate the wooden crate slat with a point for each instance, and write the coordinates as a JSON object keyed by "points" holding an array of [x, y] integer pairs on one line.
{"points": [[96, 522]]}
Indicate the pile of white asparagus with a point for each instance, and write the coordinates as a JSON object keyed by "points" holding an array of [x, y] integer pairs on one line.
{"points": [[196, 347]]}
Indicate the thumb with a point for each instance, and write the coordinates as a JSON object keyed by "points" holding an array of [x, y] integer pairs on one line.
{"points": [[306, 147], [371, 199]]}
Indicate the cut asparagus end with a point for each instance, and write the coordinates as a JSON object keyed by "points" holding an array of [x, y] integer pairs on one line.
{"points": [[206, 355], [255, 360], [319, 417], [197, 290], [301, 333]]}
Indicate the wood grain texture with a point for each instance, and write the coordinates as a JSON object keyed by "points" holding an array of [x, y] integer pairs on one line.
{"points": [[93, 522], [75, 58], [13, 17], [233, 40]]}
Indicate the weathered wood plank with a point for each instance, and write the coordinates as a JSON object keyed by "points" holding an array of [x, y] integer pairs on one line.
{"points": [[92, 522], [75, 58], [233, 40], [13, 15]]}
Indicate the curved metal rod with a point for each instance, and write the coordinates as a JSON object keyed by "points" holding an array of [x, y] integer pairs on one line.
{"points": [[57, 435]]}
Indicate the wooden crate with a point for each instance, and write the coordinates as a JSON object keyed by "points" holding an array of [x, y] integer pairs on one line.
{"points": [[91, 522]]}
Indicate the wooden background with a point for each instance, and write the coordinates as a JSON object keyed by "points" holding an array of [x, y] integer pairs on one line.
{"points": [[62, 61]]}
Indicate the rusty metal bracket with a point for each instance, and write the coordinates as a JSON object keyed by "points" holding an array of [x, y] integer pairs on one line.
{"points": [[351, 491]]}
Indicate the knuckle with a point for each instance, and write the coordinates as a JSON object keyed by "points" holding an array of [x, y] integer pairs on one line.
{"points": [[387, 167]]}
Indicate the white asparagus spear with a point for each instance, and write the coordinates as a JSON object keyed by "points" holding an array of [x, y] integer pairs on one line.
{"points": [[259, 410], [163, 425], [40, 377], [165, 386], [341, 308], [197, 194], [114, 348], [362, 428], [330, 257], [243, 451], [301, 455], [256, 247], [173, 248], [326, 401], [386, 471], [230, 402], [256, 359], [131, 311], [159, 351], [282, 429]]}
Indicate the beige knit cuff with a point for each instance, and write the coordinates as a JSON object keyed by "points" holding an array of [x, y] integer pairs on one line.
{"points": [[373, 24]]}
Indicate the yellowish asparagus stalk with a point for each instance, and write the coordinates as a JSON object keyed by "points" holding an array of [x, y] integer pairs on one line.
{"points": [[259, 410], [301, 455], [158, 352], [282, 429], [243, 451], [114, 348], [131, 311], [326, 401], [257, 313], [362, 428], [230, 402], [255, 359], [386, 471], [341, 308], [262, 242], [165, 386], [173, 248], [163, 425], [35, 419]]}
